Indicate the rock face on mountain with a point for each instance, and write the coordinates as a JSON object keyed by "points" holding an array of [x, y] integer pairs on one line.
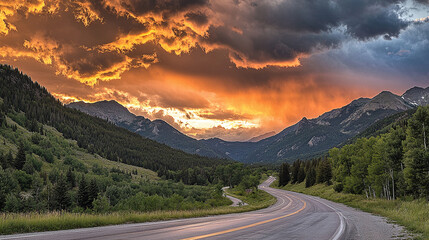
{"points": [[157, 130], [417, 96], [305, 139]]}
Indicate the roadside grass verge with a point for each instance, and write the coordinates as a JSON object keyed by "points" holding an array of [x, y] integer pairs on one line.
{"points": [[11, 223], [258, 198], [412, 214]]}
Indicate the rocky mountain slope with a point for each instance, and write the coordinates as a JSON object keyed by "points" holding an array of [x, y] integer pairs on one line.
{"points": [[417, 96]]}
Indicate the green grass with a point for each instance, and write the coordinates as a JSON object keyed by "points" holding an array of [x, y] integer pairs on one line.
{"points": [[11, 223], [9, 140], [413, 214], [259, 198]]}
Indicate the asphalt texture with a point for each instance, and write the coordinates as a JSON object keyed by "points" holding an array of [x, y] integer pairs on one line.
{"points": [[294, 216]]}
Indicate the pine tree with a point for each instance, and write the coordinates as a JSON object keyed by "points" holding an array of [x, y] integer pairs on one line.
{"points": [[301, 174], [61, 196], [92, 192], [71, 179], [310, 178], [324, 172], [295, 170], [20, 157], [83, 194], [284, 175]]}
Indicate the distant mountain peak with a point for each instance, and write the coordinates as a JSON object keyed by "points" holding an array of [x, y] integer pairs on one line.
{"points": [[417, 96], [157, 130], [111, 104], [109, 110]]}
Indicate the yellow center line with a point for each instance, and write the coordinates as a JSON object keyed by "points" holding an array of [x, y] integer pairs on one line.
{"points": [[248, 226]]}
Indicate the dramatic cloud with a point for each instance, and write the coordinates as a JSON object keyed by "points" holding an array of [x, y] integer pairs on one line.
{"points": [[231, 68]]}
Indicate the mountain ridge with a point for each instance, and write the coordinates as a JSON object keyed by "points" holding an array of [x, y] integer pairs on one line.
{"points": [[306, 138], [157, 130]]}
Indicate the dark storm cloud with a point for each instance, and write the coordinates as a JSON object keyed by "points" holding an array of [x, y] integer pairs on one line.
{"points": [[368, 19], [198, 17], [88, 63], [165, 7], [274, 32]]}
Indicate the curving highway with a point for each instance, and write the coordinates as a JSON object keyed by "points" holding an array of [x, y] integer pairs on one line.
{"points": [[294, 216]]}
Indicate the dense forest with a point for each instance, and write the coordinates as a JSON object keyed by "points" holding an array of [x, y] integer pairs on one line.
{"points": [[57, 158], [392, 165], [21, 94]]}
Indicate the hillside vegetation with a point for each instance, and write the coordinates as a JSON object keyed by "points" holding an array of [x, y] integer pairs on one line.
{"points": [[21, 95], [61, 168], [386, 174]]}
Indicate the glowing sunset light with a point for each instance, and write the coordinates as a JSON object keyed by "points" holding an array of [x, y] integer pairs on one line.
{"points": [[229, 69]]}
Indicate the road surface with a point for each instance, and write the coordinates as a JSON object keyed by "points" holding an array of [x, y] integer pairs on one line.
{"points": [[294, 216]]}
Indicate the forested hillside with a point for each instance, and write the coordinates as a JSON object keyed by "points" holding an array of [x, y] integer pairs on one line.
{"points": [[40, 170], [20, 94], [57, 158], [391, 165]]}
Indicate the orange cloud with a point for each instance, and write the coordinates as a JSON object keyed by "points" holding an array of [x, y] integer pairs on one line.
{"points": [[85, 13], [9, 8], [210, 68]]}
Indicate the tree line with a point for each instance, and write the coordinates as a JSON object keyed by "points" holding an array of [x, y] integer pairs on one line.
{"points": [[312, 172], [390, 166], [395, 164]]}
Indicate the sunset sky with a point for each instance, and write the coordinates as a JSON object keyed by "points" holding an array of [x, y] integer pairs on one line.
{"points": [[232, 69]]}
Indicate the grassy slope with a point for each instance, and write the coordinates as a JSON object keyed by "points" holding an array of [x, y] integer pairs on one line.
{"points": [[32, 222], [260, 199], [414, 215], [68, 147]]}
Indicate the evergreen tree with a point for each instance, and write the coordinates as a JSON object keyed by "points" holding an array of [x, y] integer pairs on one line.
{"points": [[71, 179], [324, 172], [92, 191], [284, 175], [20, 157], [61, 196], [301, 174], [417, 153], [83, 193], [295, 171], [310, 179], [28, 166]]}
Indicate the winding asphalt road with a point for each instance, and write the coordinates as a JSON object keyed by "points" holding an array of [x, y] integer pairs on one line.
{"points": [[294, 216]]}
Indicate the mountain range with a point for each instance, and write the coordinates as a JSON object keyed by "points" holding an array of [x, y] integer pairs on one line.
{"points": [[157, 130], [305, 139]]}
